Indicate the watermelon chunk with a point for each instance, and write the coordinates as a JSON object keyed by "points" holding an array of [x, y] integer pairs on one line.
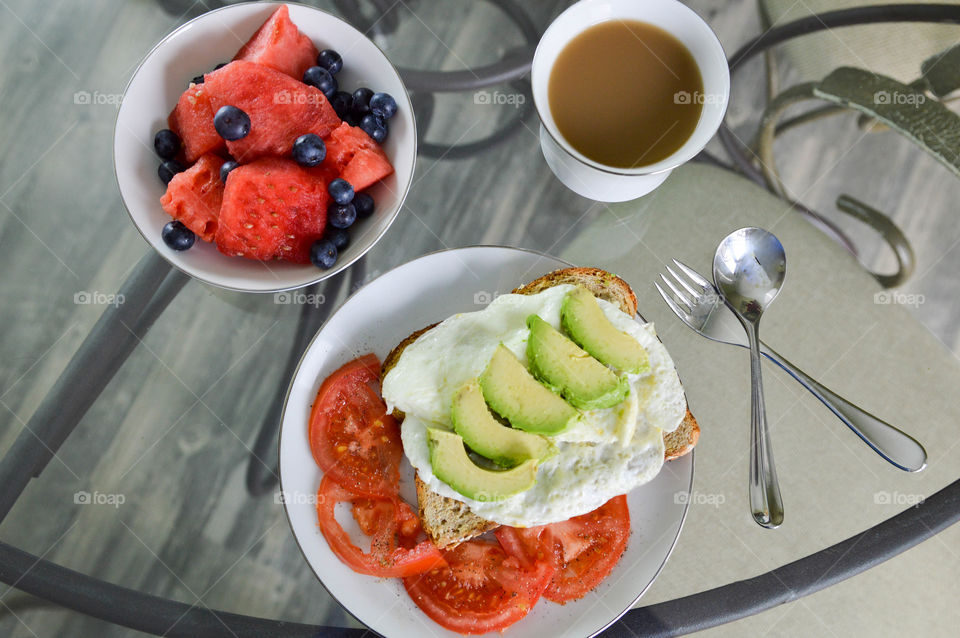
{"points": [[366, 168], [192, 120], [281, 109], [356, 157], [194, 196], [272, 209], [279, 45]]}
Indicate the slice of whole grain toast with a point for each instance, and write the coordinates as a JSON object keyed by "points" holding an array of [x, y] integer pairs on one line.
{"points": [[448, 521]]}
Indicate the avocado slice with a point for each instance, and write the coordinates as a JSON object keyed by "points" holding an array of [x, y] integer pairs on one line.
{"points": [[582, 319], [582, 380], [450, 464], [517, 396], [503, 445]]}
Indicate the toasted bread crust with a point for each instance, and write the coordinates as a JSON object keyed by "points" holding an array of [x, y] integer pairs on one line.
{"points": [[600, 283], [683, 439], [448, 521]]}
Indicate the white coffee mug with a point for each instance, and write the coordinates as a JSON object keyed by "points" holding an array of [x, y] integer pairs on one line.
{"points": [[592, 179]]}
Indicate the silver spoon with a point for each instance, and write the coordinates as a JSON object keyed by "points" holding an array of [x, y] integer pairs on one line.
{"points": [[748, 269]]}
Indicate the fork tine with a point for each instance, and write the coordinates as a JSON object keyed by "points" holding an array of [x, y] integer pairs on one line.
{"points": [[673, 304], [694, 275], [679, 295], [683, 282]]}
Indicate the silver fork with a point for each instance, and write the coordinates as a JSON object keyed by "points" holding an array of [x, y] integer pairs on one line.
{"points": [[699, 305]]}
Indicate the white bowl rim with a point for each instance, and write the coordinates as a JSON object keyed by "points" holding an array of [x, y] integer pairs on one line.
{"points": [[323, 274]]}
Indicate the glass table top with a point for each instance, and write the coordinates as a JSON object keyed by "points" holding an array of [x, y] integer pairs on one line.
{"points": [[150, 490]]}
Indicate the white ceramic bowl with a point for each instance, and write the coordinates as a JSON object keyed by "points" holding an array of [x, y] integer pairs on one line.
{"points": [[195, 48], [587, 177]]}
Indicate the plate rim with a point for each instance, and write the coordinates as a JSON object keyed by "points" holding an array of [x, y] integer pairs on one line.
{"points": [[324, 274], [296, 373]]}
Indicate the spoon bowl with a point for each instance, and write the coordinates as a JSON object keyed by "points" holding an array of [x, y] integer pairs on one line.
{"points": [[748, 269]]}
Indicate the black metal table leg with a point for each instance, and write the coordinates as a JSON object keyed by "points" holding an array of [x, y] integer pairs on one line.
{"points": [[158, 616], [260, 478], [742, 156], [140, 611], [101, 354]]}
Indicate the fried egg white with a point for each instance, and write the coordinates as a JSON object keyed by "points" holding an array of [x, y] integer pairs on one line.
{"points": [[606, 453]]}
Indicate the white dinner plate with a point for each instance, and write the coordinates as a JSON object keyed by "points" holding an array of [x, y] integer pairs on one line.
{"points": [[375, 319]]}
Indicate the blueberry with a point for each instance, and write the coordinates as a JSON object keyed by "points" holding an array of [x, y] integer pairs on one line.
{"points": [[197, 80], [364, 205], [225, 169], [166, 143], [361, 100], [319, 77], [339, 236], [342, 102], [231, 123], [374, 127], [341, 191], [219, 66], [383, 105], [177, 236], [379, 135], [323, 254], [330, 60], [309, 150], [341, 215], [168, 169]]}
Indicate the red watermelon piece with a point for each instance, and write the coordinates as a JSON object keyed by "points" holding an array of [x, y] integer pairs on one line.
{"points": [[272, 209], [357, 158], [192, 120], [279, 45], [343, 144], [194, 196], [281, 109], [366, 168]]}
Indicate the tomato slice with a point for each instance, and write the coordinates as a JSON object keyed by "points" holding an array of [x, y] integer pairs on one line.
{"points": [[352, 437], [374, 515], [482, 588], [394, 551], [584, 549]]}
